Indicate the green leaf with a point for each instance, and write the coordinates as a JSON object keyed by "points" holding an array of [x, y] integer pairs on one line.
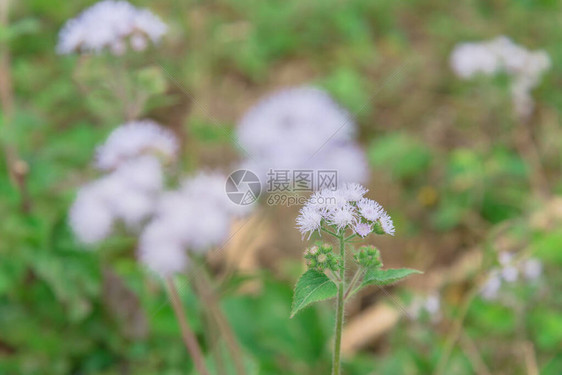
{"points": [[313, 286], [386, 277]]}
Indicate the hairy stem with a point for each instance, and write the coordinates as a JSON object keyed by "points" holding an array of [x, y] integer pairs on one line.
{"points": [[188, 337], [336, 363]]}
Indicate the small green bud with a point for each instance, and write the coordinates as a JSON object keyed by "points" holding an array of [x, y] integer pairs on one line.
{"points": [[368, 257], [321, 257], [377, 228]]}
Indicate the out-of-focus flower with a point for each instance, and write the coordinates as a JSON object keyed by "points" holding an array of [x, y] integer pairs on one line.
{"points": [[196, 218], [90, 219], [509, 271], [110, 25], [501, 54], [510, 274], [134, 139], [343, 208], [128, 194], [210, 186], [532, 269], [430, 304], [301, 129], [491, 287], [470, 59]]}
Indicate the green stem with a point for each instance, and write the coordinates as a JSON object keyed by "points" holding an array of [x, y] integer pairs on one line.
{"points": [[356, 277], [330, 232], [336, 363]]}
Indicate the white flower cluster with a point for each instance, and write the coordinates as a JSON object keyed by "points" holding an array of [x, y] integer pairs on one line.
{"points": [[196, 217], [344, 208], [133, 139], [129, 192], [501, 54], [509, 272], [301, 128], [110, 25], [430, 304]]}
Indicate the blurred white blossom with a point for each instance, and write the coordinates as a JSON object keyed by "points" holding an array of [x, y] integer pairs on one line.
{"points": [[502, 55], [491, 287], [509, 270], [430, 304], [110, 25], [127, 194], [532, 269], [133, 139], [196, 218], [301, 129]]}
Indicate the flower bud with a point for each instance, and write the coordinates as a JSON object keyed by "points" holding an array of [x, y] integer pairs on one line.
{"points": [[368, 257]]}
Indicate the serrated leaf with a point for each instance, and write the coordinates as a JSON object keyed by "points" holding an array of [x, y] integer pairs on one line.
{"points": [[388, 276], [313, 286]]}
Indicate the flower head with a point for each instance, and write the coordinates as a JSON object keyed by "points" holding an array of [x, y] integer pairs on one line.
{"points": [[110, 25], [301, 129], [309, 220], [501, 54], [134, 139], [344, 208], [342, 217], [127, 194], [195, 218]]}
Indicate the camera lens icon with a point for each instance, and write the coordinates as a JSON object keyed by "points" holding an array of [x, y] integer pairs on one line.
{"points": [[243, 187]]}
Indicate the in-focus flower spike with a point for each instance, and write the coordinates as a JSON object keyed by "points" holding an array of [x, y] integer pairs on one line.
{"points": [[363, 229], [110, 25], [353, 192], [344, 208], [387, 224], [133, 139], [309, 220], [369, 209], [342, 217]]}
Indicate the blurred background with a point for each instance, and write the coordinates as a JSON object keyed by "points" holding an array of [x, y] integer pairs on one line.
{"points": [[473, 190]]}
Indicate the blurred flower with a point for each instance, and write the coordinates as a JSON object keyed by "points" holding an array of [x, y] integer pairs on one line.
{"points": [[134, 139], [196, 217], [491, 287], [211, 185], [90, 219], [509, 270], [110, 25], [510, 274], [470, 59], [301, 129], [501, 54], [532, 269], [430, 304], [343, 208], [128, 194]]}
